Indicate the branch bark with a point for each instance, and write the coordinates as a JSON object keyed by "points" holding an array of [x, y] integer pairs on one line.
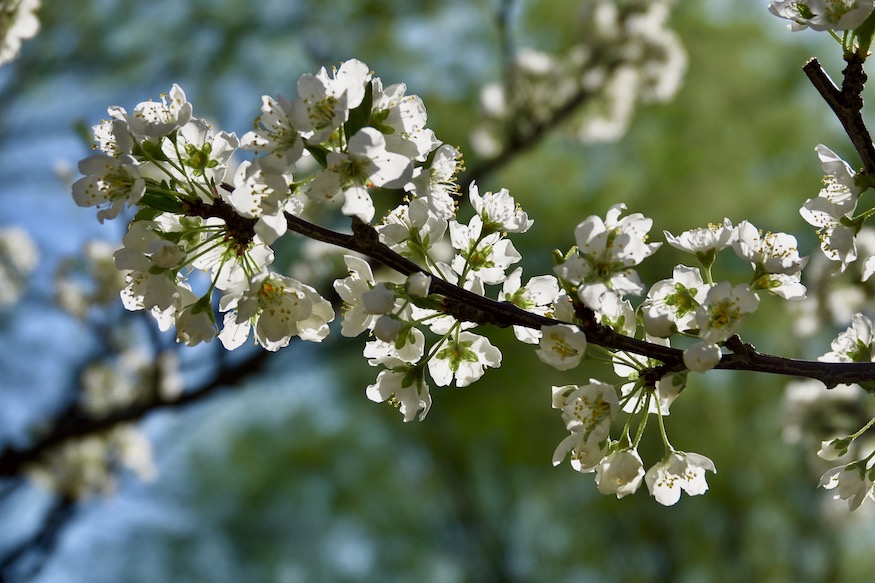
{"points": [[847, 104]]}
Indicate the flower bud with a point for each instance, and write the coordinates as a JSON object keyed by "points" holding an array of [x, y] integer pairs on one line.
{"points": [[387, 328], [379, 300], [702, 357], [418, 284]]}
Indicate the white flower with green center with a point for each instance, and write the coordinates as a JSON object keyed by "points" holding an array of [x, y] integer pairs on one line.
{"points": [[720, 315], [109, 184], [464, 358], [202, 153], [606, 252], [561, 346], [154, 119], [278, 308], [768, 252], [856, 344], [620, 473], [823, 14], [704, 242], [275, 135], [364, 164], [402, 119], [833, 208], [395, 354], [537, 297], [499, 211], [588, 409], [485, 256], [678, 471], [775, 260], [671, 304], [413, 230], [324, 102], [403, 388]]}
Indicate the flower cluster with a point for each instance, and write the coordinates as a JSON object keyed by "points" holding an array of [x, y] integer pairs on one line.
{"points": [[399, 315], [588, 412], [199, 214], [201, 233]]}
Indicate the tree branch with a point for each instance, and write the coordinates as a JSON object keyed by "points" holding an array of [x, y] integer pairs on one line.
{"points": [[847, 104], [465, 305], [73, 423]]}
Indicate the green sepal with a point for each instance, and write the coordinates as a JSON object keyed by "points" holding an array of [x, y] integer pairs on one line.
{"points": [[146, 214], [161, 202], [319, 153], [864, 34], [153, 151]]}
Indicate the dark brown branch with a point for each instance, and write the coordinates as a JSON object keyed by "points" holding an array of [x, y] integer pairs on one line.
{"points": [[847, 104], [468, 306]]}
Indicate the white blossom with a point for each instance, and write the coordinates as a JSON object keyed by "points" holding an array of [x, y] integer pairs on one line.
{"points": [[562, 346], [852, 483], [834, 204], [720, 315], [464, 358], [537, 296], [109, 184], [823, 14], [499, 211], [405, 390], [671, 304], [703, 242], [620, 473], [607, 251], [678, 471], [277, 308], [154, 119]]}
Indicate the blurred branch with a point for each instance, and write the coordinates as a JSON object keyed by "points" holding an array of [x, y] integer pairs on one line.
{"points": [[72, 423], [521, 141], [27, 559]]}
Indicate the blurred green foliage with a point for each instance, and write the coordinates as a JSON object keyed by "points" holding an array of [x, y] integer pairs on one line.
{"points": [[330, 487]]}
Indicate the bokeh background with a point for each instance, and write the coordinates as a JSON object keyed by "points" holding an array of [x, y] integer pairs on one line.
{"points": [[293, 475]]}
